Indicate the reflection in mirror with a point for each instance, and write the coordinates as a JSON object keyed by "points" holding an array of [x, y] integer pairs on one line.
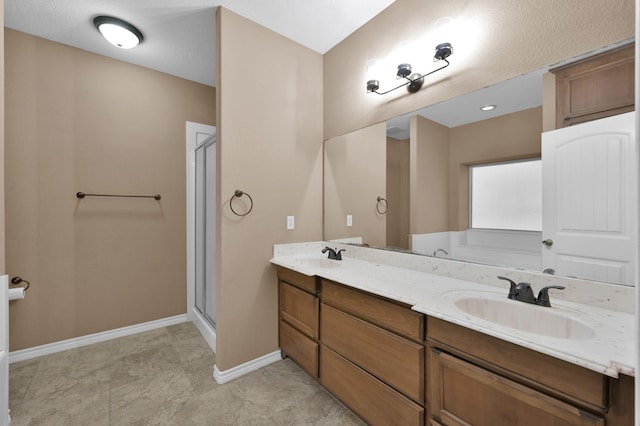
{"points": [[422, 164]]}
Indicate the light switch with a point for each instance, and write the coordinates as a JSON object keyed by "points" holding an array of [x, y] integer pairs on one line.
{"points": [[291, 224], [349, 220]]}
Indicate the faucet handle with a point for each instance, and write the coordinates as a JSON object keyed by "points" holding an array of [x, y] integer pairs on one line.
{"points": [[339, 254], [512, 287], [543, 295]]}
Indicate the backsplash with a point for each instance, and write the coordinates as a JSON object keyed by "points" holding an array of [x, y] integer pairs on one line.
{"points": [[616, 297]]}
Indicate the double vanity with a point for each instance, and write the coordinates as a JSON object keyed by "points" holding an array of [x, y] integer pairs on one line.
{"points": [[410, 340]]}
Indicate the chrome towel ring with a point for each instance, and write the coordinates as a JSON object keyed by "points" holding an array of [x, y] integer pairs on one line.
{"points": [[386, 205], [237, 194]]}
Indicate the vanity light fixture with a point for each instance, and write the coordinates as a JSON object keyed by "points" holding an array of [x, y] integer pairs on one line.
{"points": [[488, 107], [414, 80], [118, 32]]}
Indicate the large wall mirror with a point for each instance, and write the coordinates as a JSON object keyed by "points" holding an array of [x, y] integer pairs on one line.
{"points": [[452, 180]]}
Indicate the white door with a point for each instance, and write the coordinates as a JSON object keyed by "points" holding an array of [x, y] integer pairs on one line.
{"points": [[4, 350], [589, 200]]}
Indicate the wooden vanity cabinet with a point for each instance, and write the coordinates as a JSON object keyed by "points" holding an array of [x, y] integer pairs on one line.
{"points": [[394, 366], [372, 355], [595, 87], [298, 319], [475, 379]]}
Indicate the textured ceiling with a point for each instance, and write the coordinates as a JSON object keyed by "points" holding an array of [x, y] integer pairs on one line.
{"points": [[180, 34]]}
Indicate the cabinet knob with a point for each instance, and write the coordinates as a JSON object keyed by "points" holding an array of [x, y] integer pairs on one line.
{"points": [[548, 242]]}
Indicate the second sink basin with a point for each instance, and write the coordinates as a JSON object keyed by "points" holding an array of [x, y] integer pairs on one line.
{"points": [[525, 317]]}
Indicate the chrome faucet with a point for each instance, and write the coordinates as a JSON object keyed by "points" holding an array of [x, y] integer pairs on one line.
{"points": [[524, 293], [333, 254]]}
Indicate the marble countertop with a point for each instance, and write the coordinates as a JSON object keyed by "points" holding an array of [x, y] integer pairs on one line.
{"points": [[604, 339]]}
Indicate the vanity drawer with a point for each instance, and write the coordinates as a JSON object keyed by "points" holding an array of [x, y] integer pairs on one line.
{"points": [[393, 316], [393, 359], [464, 394], [300, 348], [299, 309], [529, 367], [372, 400], [297, 279]]}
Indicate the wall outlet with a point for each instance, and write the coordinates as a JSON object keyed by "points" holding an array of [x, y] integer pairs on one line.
{"points": [[349, 220], [291, 223]]}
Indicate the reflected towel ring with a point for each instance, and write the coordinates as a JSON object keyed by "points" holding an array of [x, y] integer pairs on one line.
{"points": [[386, 205], [238, 194]]}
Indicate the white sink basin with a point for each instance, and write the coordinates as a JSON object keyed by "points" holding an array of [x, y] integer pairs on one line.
{"points": [[525, 317], [318, 262]]}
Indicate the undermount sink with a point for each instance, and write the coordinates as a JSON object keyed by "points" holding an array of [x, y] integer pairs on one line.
{"points": [[318, 262], [525, 317]]}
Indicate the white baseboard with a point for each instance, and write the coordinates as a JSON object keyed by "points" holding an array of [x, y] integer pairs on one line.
{"points": [[242, 369], [63, 345], [208, 333]]}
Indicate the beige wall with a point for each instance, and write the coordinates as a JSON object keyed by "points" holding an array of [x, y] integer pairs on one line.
{"points": [[2, 131], [76, 121], [508, 137], [398, 193], [511, 38], [355, 170], [269, 119], [429, 176]]}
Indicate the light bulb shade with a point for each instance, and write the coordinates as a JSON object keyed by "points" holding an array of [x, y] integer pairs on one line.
{"points": [[443, 51], [118, 32], [404, 70], [373, 85], [416, 82]]}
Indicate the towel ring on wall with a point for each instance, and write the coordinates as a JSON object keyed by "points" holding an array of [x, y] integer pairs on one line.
{"points": [[386, 205], [18, 280], [238, 194]]}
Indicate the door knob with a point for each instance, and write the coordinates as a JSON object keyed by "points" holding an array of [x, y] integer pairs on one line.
{"points": [[548, 242]]}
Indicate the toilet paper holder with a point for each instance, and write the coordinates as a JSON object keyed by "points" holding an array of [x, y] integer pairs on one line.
{"points": [[18, 280]]}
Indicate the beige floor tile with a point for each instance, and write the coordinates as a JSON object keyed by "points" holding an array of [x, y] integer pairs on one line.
{"points": [[140, 401], [200, 375], [192, 349], [185, 330], [21, 375], [147, 364], [67, 400], [163, 377], [129, 345]]}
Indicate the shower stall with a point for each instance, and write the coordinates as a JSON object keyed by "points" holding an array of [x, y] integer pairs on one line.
{"points": [[201, 229]]}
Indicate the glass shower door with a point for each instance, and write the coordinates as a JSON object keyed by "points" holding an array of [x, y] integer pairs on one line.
{"points": [[205, 238]]}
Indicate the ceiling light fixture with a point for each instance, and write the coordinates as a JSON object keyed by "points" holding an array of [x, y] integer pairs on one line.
{"points": [[488, 107], [414, 80], [118, 32]]}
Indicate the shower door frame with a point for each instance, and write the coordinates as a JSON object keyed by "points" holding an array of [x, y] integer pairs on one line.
{"points": [[196, 135]]}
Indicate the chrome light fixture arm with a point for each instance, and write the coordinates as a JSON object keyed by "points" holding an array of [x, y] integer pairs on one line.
{"points": [[417, 79]]}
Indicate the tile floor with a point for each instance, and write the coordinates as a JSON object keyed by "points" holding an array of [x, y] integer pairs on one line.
{"points": [[162, 377]]}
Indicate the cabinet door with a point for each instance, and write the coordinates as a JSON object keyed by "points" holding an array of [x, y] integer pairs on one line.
{"points": [[392, 316], [464, 394], [372, 400], [595, 88], [305, 282], [393, 359], [299, 308], [299, 348]]}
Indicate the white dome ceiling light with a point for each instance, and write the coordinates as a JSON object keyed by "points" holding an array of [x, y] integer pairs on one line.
{"points": [[118, 32]]}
